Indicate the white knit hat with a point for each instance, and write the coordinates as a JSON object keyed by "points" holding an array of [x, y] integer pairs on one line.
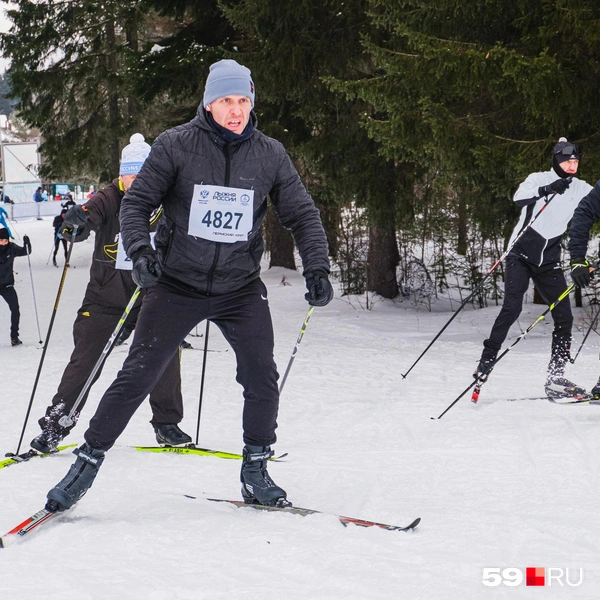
{"points": [[134, 155]]}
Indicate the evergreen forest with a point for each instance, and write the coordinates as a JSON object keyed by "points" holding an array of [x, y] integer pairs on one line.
{"points": [[411, 122]]}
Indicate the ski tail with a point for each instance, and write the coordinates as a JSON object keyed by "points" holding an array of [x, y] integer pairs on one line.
{"points": [[297, 510]]}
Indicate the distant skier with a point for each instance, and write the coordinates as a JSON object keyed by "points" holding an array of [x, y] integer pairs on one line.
{"points": [[58, 236], [108, 293], [536, 256], [8, 252], [4, 223]]}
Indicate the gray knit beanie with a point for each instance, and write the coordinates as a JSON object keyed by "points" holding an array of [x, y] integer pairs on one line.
{"points": [[228, 78]]}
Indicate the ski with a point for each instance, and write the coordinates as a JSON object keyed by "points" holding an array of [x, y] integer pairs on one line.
{"points": [[296, 510], [15, 459], [26, 526], [192, 449], [580, 399]]}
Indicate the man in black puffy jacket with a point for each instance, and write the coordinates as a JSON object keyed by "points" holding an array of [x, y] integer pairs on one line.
{"points": [[212, 177]]}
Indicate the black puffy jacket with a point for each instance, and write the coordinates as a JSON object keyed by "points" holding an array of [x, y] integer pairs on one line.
{"points": [[193, 154]]}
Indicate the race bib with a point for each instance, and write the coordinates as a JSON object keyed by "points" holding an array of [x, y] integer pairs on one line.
{"points": [[123, 261], [221, 214]]}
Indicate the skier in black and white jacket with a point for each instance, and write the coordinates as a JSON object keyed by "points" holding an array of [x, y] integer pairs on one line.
{"points": [[536, 256]]}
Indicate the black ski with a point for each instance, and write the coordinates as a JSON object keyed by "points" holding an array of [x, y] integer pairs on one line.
{"points": [[296, 510]]}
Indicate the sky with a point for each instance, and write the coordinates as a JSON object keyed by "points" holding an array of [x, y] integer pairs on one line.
{"points": [[501, 486]]}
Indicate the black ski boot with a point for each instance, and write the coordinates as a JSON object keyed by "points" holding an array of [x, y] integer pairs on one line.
{"points": [[557, 386], [596, 390], [484, 368], [560, 387], [15, 341], [78, 481], [46, 442], [257, 485], [171, 435]]}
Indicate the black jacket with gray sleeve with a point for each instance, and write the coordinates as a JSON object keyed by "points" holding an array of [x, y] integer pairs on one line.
{"points": [[193, 154]]}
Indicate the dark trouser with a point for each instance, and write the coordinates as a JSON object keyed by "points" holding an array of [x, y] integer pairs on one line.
{"points": [[551, 283], [166, 317], [91, 331], [57, 242], [10, 295]]}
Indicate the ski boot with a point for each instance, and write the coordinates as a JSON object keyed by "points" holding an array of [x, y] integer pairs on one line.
{"points": [[15, 341], [78, 480], [596, 392], [46, 442], [560, 387], [257, 485], [171, 435], [484, 368]]}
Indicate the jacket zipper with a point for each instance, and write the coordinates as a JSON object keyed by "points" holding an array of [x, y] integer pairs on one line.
{"points": [[218, 249]]}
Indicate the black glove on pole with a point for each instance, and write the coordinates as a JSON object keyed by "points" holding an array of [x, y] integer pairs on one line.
{"points": [[580, 272], [320, 292], [556, 187], [146, 268]]}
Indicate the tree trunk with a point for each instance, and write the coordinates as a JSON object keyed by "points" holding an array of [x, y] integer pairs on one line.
{"points": [[278, 242], [382, 262]]}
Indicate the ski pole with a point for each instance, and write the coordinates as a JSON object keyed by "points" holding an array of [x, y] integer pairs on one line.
{"points": [[295, 350], [594, 321], [67, 420], [52, 249], [34, 300], [477, 382], [202, 378], [47, 340], [480, 284]]}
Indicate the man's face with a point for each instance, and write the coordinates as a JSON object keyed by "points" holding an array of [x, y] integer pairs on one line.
{"points": [[231, 112], [127, 180], [570, 166], [3, 242]]}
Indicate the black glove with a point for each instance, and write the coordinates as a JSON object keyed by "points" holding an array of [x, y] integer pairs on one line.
{"points": [[27, 243], [146, 268], [580, 272], [125, 333], [76, 215], [320, 292], [556, 187]]}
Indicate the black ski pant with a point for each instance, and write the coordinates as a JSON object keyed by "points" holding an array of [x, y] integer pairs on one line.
{"points": [[166, 317], [550, 282], [91, 331], [57, 242], [10, 295]]}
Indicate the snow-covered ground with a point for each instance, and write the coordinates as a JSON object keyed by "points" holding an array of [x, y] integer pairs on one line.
{"points": [[498, 485]]}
